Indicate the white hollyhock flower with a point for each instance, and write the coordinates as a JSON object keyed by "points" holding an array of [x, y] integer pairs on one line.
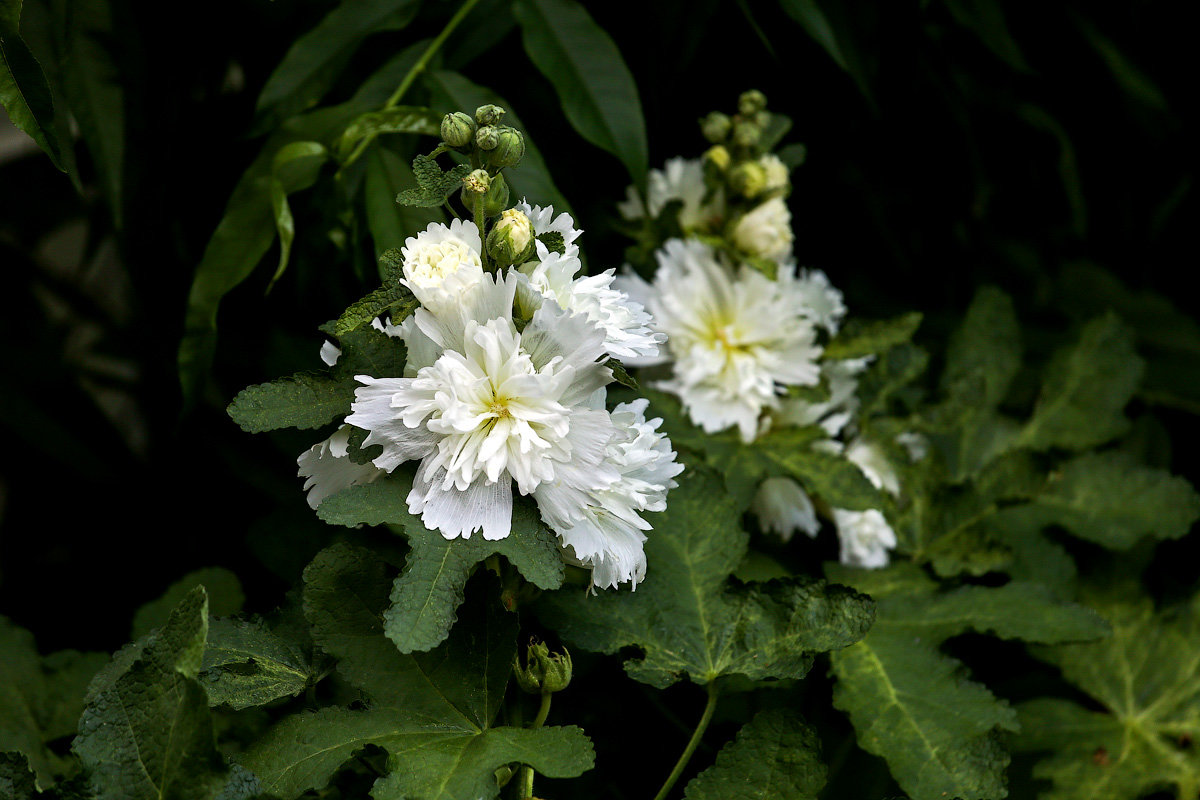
{"points": [[766, 231], [823, 303], [680, 179], [735, 338], [327, 468], [494, 407], [608, 536], [442, 262], [544, 221], [783, 507], [865, 537]]}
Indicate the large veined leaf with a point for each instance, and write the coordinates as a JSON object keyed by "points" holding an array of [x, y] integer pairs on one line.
{"points": [[432, 712], [247, 664], [775, 757], [25, 92], [146, 731], [1141, 740], [912, 705], [594, 86], [40, 698], [691, 621], [429, 591], [783, 451], [313, 62], [530, 180]]}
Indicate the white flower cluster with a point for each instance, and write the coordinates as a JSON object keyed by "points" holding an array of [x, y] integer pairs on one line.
{"points": [[738, 340], [505, 388]]}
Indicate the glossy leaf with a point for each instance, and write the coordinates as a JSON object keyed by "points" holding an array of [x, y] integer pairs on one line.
{"points": [[402, 119]]}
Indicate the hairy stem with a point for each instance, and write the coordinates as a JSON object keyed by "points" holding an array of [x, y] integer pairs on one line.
{"points": [[526, 777], [697, 734]]}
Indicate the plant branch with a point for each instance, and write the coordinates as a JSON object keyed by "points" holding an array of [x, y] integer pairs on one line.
{"points": [[697, 734]]}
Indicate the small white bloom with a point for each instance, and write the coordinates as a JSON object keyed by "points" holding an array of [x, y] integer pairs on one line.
{"points": [[442, 262], [871, 459], [735, 340], [823, 303], [783, 507], [330, 353], [680, 179], [766, 231], [865, 537], [608, 537], [327, 468], [544, 221], [496, 406], [778, 175]]}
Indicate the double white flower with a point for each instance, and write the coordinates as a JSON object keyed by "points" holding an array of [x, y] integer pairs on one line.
{"points": [[489, 403]]}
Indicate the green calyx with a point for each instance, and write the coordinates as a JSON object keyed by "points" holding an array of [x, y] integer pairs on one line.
{"points": [[458, 129], [544, 672]]}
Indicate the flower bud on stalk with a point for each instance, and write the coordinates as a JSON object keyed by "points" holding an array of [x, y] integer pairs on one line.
{"points": [[746, 133], [751, 102], [511, 239], [509, 149], [543, 672], [477, 182], [716, 127], [718, 156], [458, 129], [487, 137], [489, 114]]}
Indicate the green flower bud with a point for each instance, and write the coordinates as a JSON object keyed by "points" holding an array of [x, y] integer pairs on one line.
{"points": [[511, 239], [746, 133], [718, 156], [748, 178], [489, 114], [510, 147], [458, 129], [543, 672], [487, 137], [477, 181], [496, 199], [716, 127], [751, 102]]}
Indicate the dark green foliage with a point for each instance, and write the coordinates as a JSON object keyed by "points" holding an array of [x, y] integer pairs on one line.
{"points": [[775, 757], [434, 184]]}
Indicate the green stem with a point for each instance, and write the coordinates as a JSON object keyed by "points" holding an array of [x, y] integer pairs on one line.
{"points": [[434, 46], [697, 734], [526, 778]]}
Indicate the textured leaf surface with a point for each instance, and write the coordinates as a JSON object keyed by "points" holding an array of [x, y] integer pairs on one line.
{"points": [[775, 757], [40, 698], [225, 597], [860, 339], [304, 400], [594, 86], [914, 706], [433, 712], [1145, 679], [147, 732], [1086, 389], [690, 621], [429, 590], [17, 780], [246, 664]]}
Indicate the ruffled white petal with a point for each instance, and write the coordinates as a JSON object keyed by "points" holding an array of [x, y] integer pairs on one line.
{"points": [[327, 470], [481, 506], [783, 507]]}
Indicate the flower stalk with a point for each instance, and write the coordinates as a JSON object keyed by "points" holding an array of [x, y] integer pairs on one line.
{"points": [[693, 743]]}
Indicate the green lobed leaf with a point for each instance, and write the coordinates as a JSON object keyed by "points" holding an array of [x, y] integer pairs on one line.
{"points": [[40, 700], [401, 119], [1110, 499], [17, 779], [246, 664], [396, 301], [1145, 682], [314, 61], [690, 621], [1086, 389], [25, 92], [432, 712], [774, 757], [225, 597], [428, 592], [858, 339], [531, 181], [304, 400], [596, 90], [146, 731], [913, 705]]}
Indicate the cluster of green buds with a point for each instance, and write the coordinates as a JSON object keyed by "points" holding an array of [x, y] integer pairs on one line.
{"points": [[544, 672], [739, 156], [495, 146]]}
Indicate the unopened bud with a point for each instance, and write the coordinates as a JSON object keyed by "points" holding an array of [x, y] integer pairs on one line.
{"points": [[716, 127], [510, 147], [496, 199], [751, 102], [776, 172], [718, 156], [477, 181], [458, 129], [487, 137], [745, 133], [489, 114], [544, 672], [748, 178], [511, 239]]}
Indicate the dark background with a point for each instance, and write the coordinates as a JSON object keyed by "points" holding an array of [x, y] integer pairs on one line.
{"points": [[961, 148]]}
